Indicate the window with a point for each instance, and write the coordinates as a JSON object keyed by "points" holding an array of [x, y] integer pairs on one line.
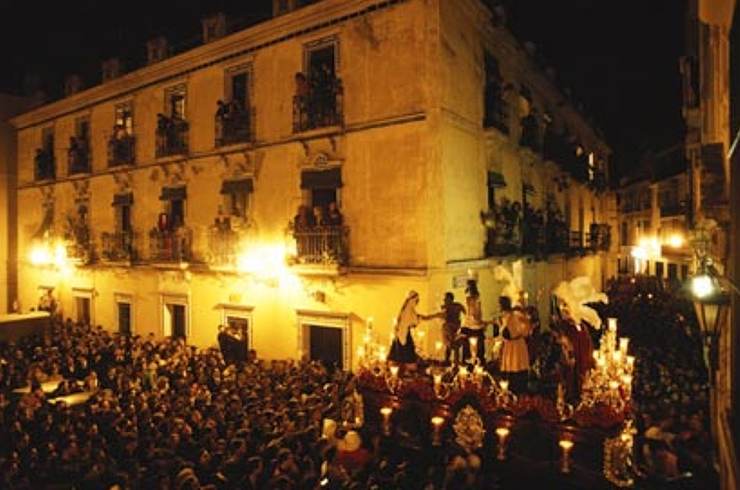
{"points": [[318, 99], [236, 197], [233, 115], [175, 310], [175, 102], [45, 163], [172, 126], [124, 117], [495, 110], [121, 143], [321, 187], [83, 303], [78, 152], [325, 337], [124, 313]]}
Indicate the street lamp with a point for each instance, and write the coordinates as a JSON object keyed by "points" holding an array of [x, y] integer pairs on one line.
{"points": [[711, 302]]}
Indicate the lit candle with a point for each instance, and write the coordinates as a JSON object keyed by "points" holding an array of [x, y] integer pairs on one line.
{"points": [[612, 322], [566, 445], [502, 433], [624, 343], [504, 383], [630, 363], [394, 371], [437, 422], [386, 413]]}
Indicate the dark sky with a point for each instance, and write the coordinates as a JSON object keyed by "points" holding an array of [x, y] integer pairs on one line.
{"points": [[619, 58]]}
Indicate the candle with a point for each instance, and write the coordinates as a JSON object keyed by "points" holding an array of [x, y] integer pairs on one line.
{"points": [[502, 433], [394, 371], [504, 383], [612, 322], [386, 413], [437, 422], [624, 343], [566, 446]]}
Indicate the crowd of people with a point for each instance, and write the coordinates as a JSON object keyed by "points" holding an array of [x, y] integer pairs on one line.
{"points": [[165, 415]]}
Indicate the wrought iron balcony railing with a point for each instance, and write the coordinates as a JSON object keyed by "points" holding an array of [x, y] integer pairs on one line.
{"points": [[322, 245], [171, 245], [119, 246], [320, 107], [172, 136], [225, 246], [45, 165], [121, 150]]}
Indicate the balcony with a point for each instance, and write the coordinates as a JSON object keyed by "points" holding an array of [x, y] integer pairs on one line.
{"points": [[171, 245], [45, 165], [121, 149], [78, 156], [172, 136], [320, 106], [232, 125], [496, 109], [322, 245], [119, 246], [225, 246]]}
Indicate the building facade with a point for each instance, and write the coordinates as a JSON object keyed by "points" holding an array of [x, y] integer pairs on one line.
{"points": [[180, 196]]}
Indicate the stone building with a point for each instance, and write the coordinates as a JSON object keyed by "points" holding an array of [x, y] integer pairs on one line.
{"points": [[165, 200]]}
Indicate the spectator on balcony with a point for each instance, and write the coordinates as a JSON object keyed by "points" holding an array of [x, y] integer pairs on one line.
{"points": [[304, 220], [303, 100], [334, 215], [319, 216]]}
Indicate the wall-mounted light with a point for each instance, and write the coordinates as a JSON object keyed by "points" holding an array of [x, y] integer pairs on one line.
{"points": [[711, 303]]}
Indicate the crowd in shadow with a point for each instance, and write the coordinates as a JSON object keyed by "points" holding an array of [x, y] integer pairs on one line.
{"points": [[165, 415]]}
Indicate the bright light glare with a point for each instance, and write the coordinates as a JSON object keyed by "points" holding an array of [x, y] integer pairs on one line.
{"points": [[702, 286], [40, 255], [266, 261], [675, 241]]}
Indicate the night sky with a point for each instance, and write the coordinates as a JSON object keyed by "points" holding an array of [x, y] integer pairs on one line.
{"points": [[619, 59]]}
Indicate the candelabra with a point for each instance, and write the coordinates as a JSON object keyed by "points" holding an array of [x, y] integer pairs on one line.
{"points": [[618, 457], [392, 380], [609, 382], [504, 396]]}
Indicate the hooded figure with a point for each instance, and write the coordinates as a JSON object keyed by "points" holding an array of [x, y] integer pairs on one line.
{"points": [[403, 349]]}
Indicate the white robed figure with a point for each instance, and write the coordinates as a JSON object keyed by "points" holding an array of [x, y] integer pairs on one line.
{"points": [[403, 348]]}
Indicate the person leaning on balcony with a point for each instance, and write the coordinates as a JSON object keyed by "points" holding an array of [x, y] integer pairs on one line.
{"points": [[403, 348], [334, 215]]}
